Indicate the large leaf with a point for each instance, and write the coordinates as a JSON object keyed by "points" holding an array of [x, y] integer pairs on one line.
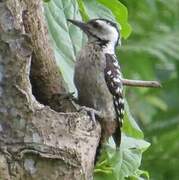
{"points": [[130, 126], [97, 10], [67, 40], [118, 165]]}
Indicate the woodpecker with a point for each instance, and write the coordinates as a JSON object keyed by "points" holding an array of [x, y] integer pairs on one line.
{"points": [[98, 77]]}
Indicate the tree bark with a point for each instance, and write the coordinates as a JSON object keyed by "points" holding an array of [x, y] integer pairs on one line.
{"points": [[37, 142]]}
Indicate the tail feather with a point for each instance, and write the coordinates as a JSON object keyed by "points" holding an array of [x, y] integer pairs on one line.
{"points": [[119, 108], [117, 134]]}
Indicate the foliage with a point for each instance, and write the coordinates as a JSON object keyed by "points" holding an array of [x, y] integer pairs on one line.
{"points": [[152, 53], [67, 41], [124, 163]]}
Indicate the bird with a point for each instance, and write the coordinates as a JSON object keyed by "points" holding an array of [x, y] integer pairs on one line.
{"points": [[98, 77]]}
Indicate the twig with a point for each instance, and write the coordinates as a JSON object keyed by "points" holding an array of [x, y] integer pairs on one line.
{"points": [[140, 83]]}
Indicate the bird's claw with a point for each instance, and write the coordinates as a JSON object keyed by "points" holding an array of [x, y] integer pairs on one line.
{"points": [[92, 113]]}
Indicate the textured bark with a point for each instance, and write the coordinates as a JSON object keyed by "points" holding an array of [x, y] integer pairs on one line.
{"points": [[45, 75], [37, 142]]}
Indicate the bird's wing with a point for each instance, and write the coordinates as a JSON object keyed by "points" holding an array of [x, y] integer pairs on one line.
{"points": [[114, 82]]}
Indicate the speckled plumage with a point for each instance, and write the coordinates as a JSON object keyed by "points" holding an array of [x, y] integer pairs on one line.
{"points": [[98, 78], [93, 90], [90, 80]]}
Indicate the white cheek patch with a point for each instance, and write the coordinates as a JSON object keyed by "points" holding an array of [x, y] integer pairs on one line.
{"points": [[113, 34]]}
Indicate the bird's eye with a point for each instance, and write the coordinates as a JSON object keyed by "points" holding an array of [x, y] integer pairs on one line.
{"points": [[95, 25]]}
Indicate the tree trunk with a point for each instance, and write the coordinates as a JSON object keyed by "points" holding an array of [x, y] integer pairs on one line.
{"points": [[37, 142]]}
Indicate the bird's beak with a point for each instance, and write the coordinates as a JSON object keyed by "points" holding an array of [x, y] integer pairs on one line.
{"points": [[80, 24]]}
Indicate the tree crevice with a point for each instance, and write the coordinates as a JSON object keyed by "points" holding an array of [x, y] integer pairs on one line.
{"points": [[36, 141]]}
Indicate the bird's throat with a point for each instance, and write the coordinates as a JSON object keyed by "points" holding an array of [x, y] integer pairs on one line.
{"points": [[109, 48]]}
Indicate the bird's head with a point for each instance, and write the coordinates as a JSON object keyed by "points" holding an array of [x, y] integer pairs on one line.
{"points": [[101, 30]]}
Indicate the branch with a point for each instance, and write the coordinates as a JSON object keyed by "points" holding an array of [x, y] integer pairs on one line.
{"points": [[140, 83]]}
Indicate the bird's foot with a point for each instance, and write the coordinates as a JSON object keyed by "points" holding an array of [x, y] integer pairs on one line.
{"points": [[92, 113]]}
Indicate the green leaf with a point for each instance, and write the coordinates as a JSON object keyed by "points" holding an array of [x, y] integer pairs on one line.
{"points": [[117, 165], [83, 11], [67, 40], [97, 10], [130, 127]]}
